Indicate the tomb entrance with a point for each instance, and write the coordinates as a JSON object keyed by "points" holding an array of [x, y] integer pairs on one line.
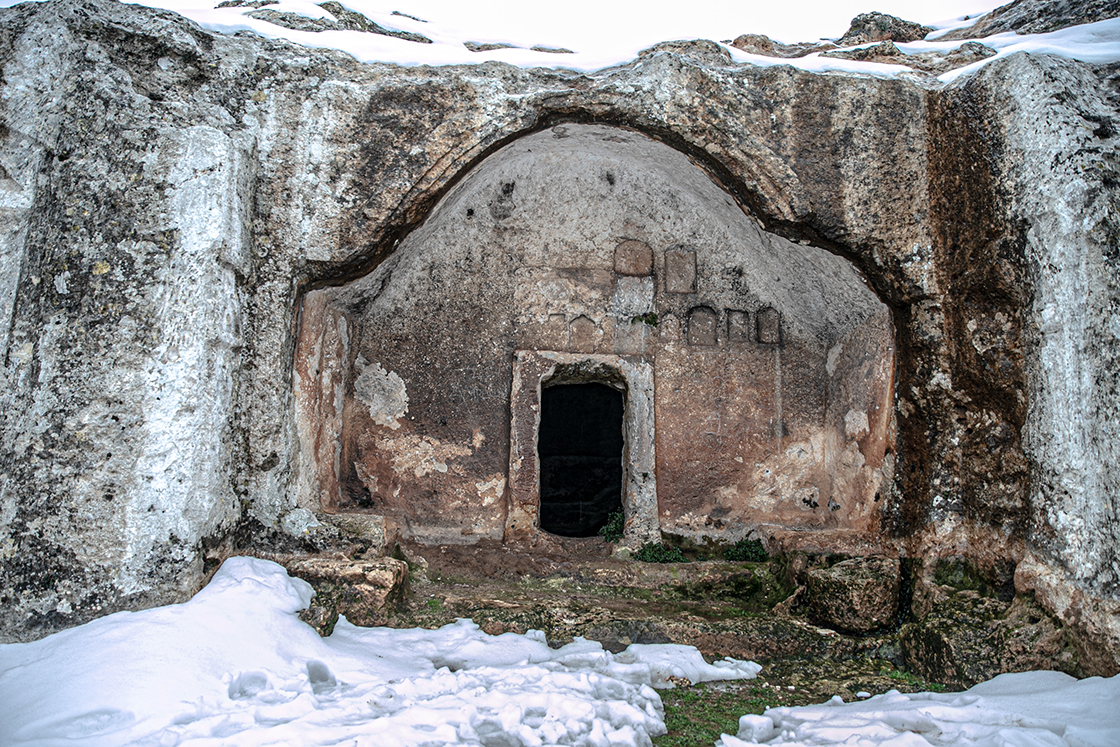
{"points": [[579, 444], [754, 375]]}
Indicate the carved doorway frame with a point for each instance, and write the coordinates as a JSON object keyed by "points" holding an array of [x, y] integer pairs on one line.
{"points": [[534, 369]]}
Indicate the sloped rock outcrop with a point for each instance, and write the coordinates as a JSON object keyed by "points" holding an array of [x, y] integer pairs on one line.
{"points": [[968, 638], [1037, 17], [930, 62], [344, 20], [764, 45], [171, 195]]}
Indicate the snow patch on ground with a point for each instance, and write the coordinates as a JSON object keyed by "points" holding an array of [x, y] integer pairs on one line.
{"points": [[235, 665], [1029, 709]]}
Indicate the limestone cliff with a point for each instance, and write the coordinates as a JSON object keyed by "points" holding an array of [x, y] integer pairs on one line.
{"points": [[171, 195]]}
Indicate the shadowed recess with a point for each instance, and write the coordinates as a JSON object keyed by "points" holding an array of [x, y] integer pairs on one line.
{"points": [[580, 447]]}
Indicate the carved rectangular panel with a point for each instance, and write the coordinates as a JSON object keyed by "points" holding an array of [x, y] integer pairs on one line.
{"points": [[702, 323], [680, 271], [769, 324], [738, 326], [633, 258]]}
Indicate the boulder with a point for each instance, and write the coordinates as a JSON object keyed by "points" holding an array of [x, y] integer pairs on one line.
{"points": [[931, 62], [1037, 17], [855, 596], [764, 45], [968, 638], [365, 591], [877, 27], [882, 52]]}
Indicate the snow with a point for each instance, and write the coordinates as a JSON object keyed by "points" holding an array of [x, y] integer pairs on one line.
{"points": [[1097, 43], [236, 666], [1028, 709], [605, 34], [601, 35], [1091, 42]]}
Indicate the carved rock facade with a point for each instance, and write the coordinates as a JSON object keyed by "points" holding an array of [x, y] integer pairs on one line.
{"points": [[227, 264]]}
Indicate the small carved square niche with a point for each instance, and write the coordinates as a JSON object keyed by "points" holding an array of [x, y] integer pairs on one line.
{"points": [[680, 271], [633, 258], [769, 324], [738, 326], [702, 322]]}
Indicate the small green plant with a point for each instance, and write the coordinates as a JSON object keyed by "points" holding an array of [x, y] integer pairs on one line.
{"points": [[746, 550], [612, 530], [911, 679], [655, 552], [434, 604], [650, 318]]}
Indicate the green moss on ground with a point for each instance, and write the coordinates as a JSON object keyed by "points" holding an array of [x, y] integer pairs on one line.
{"points": [[698, 715]]}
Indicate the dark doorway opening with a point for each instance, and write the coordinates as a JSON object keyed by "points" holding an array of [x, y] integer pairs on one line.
{"points": [[580, 448]]}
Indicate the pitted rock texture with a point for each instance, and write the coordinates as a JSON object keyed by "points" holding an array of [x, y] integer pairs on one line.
{"points": [[764, 45], [173, 195], [343, 20], [968, 638], [879, 27], [855, 596], [1037, 17], [366, 592], [930, 62]]}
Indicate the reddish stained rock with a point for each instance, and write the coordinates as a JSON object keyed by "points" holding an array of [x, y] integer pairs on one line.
{"points": [[764, 45]]}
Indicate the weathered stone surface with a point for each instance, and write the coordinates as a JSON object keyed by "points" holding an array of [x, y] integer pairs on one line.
{"points": [[764, 45], [1094, 623], [344, 20], [380, 534], [930, 62], [881, 52], [174, 197], [855, 596], [1037, 17], [880, 27], [967, 638], [364, 591], [941, 62]]}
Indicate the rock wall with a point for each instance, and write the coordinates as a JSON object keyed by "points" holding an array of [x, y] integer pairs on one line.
{"points": [[170, 196], [771, 362]]}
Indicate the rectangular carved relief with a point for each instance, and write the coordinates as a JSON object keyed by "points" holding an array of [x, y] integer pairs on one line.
{"points": [[702, 322], [738, 326], [680, 271]]}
